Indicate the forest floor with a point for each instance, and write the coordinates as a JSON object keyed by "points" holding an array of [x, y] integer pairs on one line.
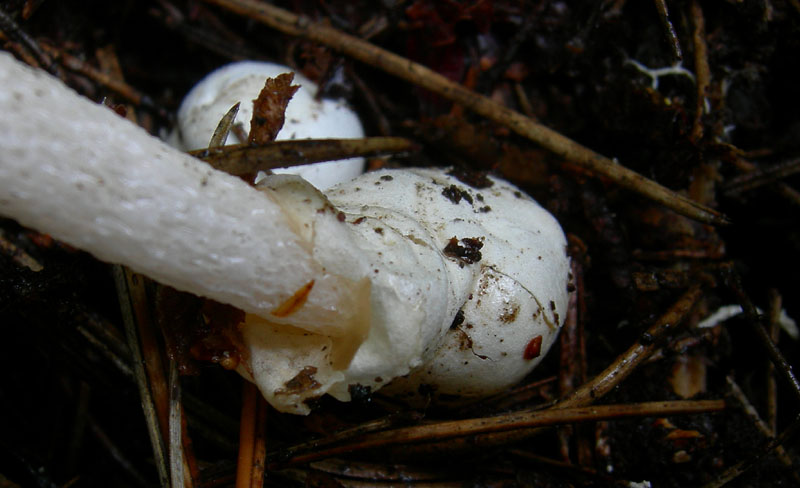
{"points": [[699, 98]]}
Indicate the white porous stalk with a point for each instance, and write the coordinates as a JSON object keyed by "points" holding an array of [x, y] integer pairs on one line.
{"points": [[386, 261], [78, 171], [306, 116]]}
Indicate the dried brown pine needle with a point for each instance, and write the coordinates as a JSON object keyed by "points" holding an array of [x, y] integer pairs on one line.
{"points": [[220, 135], [129, 287], [701, 68], [627, 362], [252, 439], [243, 159], [507, 422]]}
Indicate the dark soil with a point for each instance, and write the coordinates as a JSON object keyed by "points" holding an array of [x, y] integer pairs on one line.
{"points": [[71, 416]]}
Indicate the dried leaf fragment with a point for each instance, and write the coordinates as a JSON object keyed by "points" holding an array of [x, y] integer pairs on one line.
{"points": [[269, 109]]}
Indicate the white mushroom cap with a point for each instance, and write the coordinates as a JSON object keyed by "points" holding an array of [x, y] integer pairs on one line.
{"points": [[306, 117]]}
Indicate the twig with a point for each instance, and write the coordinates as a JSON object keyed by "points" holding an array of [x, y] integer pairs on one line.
{"points": [[701, 68], [18, 255], [783, 189], [119, 457], [119, 87], [564, 147], [761, 426], [123, 281], [209, 423], [384, 127], [122, 364], [183, 466], [772, 387], [737, 469], [247, 425], [627, 362], [176, 457], [761, 177], [672, 36], [597, 387], [753, 319], [205, 30], [14, 31], [513, 421], [78, 428], [252, 445], [507, 400], [341, 436], [569, 371], [243, 159]]}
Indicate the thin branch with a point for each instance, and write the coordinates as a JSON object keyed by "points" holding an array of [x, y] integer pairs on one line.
{"points": [[244, 159], [15, 32], [741, 467], [176, 456], [754, 320], [761, 426], [252, 444], [761, 177], [775, 300], [513, 421], [18, 255], [244, 464], [343, 435], [118, 456], [786, 191], [672, 36], [597, 387], [701, 68], [564, 147], [122, 364], [627, 362], [123, 281], [117, 86]]}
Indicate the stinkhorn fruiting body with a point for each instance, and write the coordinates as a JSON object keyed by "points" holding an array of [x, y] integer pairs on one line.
{"points": [[306, 116], [398, 273], [78, 171]]}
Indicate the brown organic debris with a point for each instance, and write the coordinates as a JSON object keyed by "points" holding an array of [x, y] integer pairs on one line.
{"points": [[269, 109], [466, 250]]}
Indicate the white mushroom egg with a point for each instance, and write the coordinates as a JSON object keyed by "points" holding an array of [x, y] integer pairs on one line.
{"points": [[306, 116], [505, 257], [467, 288]]}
